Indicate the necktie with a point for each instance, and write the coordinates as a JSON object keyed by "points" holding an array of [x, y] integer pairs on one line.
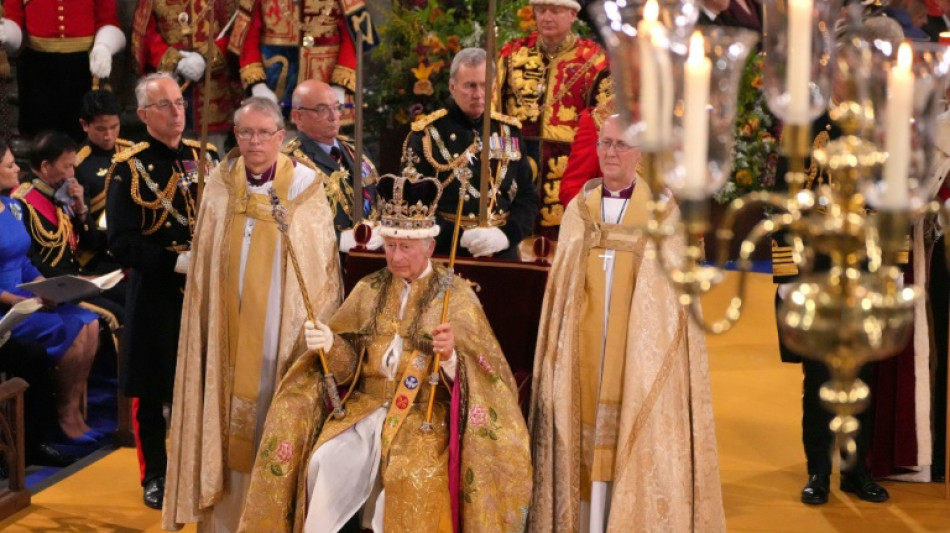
{"points": [[336, 155]]}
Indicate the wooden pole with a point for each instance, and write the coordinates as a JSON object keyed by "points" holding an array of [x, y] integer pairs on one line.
{"points": [[357, 214], [205, 108], [485, 176]]}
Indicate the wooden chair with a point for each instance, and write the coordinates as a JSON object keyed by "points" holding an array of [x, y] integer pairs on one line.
{"points": [[16, 495]]}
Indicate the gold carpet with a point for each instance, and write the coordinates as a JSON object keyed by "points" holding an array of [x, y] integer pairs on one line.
{"points": [[758, 413]]}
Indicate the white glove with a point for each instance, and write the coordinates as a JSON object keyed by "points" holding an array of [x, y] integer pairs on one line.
{"points": [[100, 61], [191, 65], [11, 36], [347, 240], [181, 264], [375, 238], [262, 90], [318, 337], [109, 41], [482, 242]]}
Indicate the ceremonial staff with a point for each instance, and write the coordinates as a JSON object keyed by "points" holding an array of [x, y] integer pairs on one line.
{"points": [[205, 107], [447, 285], [357, 214], [485, 176], [279, 213]]}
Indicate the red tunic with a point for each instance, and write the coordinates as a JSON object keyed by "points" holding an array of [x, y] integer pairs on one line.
{"points": [[61, 26], [547, 93]]}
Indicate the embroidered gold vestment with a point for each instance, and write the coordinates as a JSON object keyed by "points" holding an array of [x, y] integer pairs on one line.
{"points": [[665, 445], [483, 480], [198, 455]]}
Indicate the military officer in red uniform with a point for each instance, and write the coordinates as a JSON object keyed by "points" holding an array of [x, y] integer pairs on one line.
{"points": [[183, 37], [283, 41], [545, 80], [66, 44]]}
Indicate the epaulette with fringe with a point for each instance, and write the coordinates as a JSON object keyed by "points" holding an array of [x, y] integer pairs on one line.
{"points": [[82, 154], [423, 121], [511, 121], [21, 191], [197, 144], [125, 155]]}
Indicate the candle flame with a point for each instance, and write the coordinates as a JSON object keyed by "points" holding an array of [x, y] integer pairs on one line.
{"points": [[651, 11], [697, 49], [904, 57]]}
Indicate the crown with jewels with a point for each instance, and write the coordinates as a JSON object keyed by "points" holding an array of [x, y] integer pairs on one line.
{"points": [[407, 204]]}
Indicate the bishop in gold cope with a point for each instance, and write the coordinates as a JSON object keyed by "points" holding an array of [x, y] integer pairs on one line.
{"points": [[620, 365]]}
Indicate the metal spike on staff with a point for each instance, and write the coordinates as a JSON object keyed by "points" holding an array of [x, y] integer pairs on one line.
{"points": [[279, 213]]}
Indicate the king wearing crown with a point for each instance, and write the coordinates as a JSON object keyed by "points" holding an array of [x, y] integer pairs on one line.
{"points": [[394, 462]]}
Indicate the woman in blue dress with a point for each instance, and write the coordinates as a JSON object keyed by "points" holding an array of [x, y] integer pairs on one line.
{"points": [[68, 333]]}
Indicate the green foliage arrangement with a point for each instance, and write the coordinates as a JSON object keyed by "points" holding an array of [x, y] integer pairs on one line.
{"points": [[755, 150]]}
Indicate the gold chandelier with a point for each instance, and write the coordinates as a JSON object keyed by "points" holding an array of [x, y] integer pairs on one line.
{"points": [[678, 90]]}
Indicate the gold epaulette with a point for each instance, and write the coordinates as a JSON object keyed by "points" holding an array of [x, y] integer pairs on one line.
{"points": [[423, 121], [21, 191], [291, 146], [197, 144], [511, 121], [125, 155], [124, 143], [82, 154]]}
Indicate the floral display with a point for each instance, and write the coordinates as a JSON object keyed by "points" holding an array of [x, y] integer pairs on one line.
{"points": [[755, 150]]}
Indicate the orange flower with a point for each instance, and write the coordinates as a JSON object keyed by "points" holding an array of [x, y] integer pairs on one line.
{"points": [[526, 19], [422, 72], [744, 178], [526, 13], [401, 116], [434, 43], [757, 82], [453, 44]]}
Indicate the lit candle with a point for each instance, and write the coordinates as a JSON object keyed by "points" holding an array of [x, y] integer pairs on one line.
{"points": [[900, 91], [696, 117], [799, 60], [649, 80]]}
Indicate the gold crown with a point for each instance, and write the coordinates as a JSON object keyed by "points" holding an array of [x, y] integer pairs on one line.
{"points": [[407, 204]]}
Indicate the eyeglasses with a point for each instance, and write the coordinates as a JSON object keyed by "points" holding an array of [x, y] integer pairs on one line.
{"points": [[619, 146], [165, 105], [323, 110], [264, 135]]}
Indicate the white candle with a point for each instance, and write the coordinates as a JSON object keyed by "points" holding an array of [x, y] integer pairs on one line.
{"points": [[799, 60], [696, 117], [900, 92], [649, 80]]}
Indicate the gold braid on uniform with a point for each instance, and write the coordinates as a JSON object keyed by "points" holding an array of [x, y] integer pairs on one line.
{"points": [[163, 199], [52, 242]]}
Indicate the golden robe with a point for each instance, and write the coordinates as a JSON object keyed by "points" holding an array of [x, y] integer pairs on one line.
{"points": [[665, 468], [204, 383], [472, 473]]}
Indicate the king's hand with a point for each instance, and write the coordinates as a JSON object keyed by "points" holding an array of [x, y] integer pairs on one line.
{"points": [[318, 336]]}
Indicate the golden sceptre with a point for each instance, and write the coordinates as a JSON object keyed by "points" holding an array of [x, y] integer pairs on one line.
{"points": [[447, 282], [279, 213]]}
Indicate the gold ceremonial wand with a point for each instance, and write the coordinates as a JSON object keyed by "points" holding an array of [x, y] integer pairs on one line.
{"points": [[434, 376], [279, 213]]}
